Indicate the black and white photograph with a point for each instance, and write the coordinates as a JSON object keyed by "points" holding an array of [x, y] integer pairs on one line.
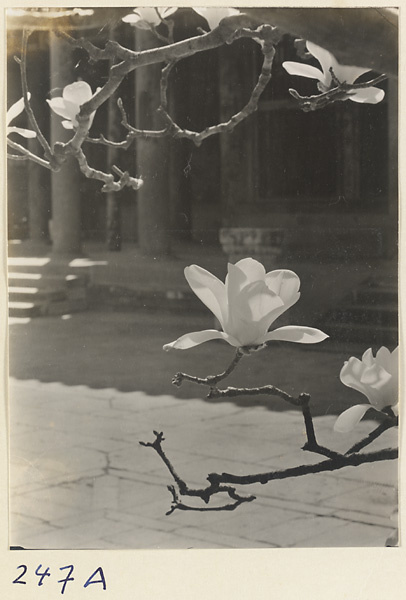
{"points": [[202, 226]]}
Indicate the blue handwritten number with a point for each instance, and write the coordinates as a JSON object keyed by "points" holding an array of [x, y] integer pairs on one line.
{"points": [[17, 580], [101, 580], [41, 576], [68, 578]]}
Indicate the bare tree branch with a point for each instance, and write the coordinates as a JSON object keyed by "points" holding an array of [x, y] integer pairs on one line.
{"points": [[341, 92], [217, 480], [382, 427], [26, 154], [210, 380]]}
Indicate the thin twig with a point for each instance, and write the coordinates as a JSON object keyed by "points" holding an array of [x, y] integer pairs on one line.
{"points": [[177, 504], [210, 380], [27, 154], [164, 83], [267, 390], [185, 490], [387, 424]]}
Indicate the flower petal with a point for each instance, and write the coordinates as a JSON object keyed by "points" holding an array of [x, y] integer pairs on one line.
{"points": [[213, 16], [189, 340], [383, 357], [27, 133], [249, 313], [350, 418], [302, 70], [67, 124], [16, 109], [252, 269], [285, 284], [167, 11], [296, 333], [326, 60], [236, 279], [143, 18], [209, 289], [351, 372], [348, 73], [59, 107], [77, 93], [370, 95], [375, 376], [257, 301], [368, 358]]}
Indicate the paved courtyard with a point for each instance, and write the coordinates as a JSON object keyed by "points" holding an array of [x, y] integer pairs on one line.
{"points": [[80, 479]]}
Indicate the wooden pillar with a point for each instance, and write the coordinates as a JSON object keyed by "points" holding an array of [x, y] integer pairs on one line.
{"points": [[66, 219], [237, 149], [39, 180], [38, 197], [348, 164], [392, 231], [152, 159]]}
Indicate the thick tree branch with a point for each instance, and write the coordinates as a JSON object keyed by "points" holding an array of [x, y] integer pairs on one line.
{"points": [[333, 464]]}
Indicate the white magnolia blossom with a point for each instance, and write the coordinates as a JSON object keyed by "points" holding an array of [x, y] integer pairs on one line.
{"points": [[68, 105], [213, 16], [148, 17], [344, 73], [13, 112], [374, 376], [246, 305]]}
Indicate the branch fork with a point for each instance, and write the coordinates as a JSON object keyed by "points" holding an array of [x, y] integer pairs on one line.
{"points": [[225, 482]]}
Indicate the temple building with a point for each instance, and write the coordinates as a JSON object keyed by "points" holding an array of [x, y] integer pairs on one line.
{"points": [[322, 184]]}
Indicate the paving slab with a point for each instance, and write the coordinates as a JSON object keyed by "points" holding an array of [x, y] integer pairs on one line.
{"points": [[80, 478]]}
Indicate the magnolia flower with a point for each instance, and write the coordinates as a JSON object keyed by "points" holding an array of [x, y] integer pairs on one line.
{"points": [[213, 16], [344, 74], [13, 112], [68, 105], [148, 17], [376, 378], [246, 305]]}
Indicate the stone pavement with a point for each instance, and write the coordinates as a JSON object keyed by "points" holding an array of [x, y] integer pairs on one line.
{"points": [[80, 479]]}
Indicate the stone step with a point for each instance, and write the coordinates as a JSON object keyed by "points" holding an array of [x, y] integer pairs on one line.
{"points": [[44, 280], [26, 264], [36, 295], [22, 276], [24, 309]]}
